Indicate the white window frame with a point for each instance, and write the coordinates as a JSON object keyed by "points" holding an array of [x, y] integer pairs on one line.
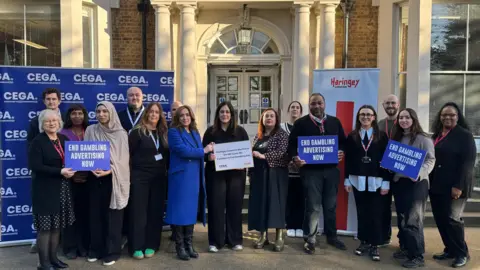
{"points": [[93, 30]]}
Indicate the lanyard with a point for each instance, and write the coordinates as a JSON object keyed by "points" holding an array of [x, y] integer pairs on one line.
{"points": [[59, 151], [438, 139], [369, 143], [321, 128], [389, 132], [155, 141], [138, 116]]}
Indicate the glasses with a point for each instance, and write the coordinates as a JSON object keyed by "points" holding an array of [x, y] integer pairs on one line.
{"points": [[368, 115], [451, 115]]}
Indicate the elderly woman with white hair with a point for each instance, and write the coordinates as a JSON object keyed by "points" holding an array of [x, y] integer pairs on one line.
{"points": [[51, 196]]}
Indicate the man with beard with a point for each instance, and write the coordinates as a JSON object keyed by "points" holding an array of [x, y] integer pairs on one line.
{"points": [[132, 115], [320, 181], [391, 105]]}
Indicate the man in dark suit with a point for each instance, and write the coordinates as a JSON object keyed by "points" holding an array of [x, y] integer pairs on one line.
{"points": [[134, 111], [51, 98], [320, 181]]}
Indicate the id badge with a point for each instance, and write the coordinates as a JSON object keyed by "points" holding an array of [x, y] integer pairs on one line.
{"points": [[158, 157]]}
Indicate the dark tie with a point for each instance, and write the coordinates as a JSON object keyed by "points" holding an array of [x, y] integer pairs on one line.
{"points": [[365, 140]]}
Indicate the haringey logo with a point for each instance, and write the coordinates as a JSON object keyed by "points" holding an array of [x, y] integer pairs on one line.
{"points": [[19, 97], [344, 83], [42, 78], [8, 193], [6, 116], [6, 78], [88, 79], [128, 80]]}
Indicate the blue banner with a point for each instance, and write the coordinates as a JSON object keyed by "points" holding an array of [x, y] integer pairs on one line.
{"points": [[21, 90], [403, 159], [87, 156], [318, 149]]}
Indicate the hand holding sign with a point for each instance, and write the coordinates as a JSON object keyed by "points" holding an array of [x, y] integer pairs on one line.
{"points": [[211, 157], [341, 155], [456, 193], [67, 172], [208, 148], [100, 173], [299, 162], [258, 155]]}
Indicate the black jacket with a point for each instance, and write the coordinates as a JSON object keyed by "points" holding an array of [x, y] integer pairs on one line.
{"points": [[125, 120], [305, 127], [142, 154], [455, 158], [46, 164], [34, 129]]}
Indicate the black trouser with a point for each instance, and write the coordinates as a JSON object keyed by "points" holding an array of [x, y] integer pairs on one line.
{"points": [[370, 210], [147, 204], [295, 204], [448, 216], [225, 191], [321, 187], [76, 238], [410, 202], [105, 223], [387, 218]]}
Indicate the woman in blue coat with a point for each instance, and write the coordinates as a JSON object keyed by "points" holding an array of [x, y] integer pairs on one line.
{"points": [[185, 180]]}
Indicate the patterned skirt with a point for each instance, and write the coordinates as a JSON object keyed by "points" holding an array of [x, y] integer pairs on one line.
{"points": [[64, 218]]}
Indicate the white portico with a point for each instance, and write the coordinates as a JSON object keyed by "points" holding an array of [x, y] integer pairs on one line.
{"points": [[256, 56]]}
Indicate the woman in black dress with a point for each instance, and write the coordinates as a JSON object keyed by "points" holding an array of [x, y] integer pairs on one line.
{"points": [[269, 180], [451, 181], [363, 152], [225, 189], [51, 196]]}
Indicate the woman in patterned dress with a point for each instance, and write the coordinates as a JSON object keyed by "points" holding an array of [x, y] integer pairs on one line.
{"points": [[51, 195], [269, 180]]}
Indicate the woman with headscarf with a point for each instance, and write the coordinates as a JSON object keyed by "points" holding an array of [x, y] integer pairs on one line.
{"points": [[109, 190]]}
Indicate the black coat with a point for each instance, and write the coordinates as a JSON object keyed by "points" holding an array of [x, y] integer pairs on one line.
{"points": [[125, 120], [46, 165], [455, 158]]}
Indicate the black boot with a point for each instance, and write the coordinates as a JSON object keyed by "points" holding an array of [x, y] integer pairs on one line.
{"points": [[189, 242], [179, 244]]}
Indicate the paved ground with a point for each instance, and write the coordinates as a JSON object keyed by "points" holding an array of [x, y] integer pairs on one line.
{"points": [[291, 258]]}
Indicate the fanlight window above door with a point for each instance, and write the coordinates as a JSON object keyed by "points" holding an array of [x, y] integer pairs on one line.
{"points": [[259, 44]]}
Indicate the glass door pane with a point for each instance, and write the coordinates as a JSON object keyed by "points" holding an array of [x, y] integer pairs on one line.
{"points": [[260, 96], [226, 89]]}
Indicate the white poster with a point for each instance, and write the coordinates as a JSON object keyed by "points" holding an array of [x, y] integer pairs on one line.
{"points": [[234, 155]]}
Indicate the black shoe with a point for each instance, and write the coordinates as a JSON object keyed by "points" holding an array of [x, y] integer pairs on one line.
{"points": [[188, 240], [414, 263], [336, 243], [374, 254], [309, 248], [59, 264], [400, 254], [443, 256], [182, 254], [364, 247], [460, 262]]}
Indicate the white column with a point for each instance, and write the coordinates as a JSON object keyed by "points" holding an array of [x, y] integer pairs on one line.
{"points": [[301, 69], [71, 33], [318, 37], [188, 92], [327, 36], [163, 53], [418, 58]]}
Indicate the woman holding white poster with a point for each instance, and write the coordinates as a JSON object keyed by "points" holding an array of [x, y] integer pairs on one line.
{"points": [[369, 182], [411, 194], [225, 189], [269, 180]]}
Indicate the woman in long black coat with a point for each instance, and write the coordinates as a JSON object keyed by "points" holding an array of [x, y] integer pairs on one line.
{"points": [[269, 180]]}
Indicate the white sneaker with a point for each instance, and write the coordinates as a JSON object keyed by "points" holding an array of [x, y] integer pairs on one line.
{"points": [[291, 233], [237, 248], [109, 263], [299, 233], [212, 249], [91, 259]]}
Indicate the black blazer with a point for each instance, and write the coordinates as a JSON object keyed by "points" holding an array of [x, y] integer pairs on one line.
{"points": [[34, 130], [455, 158], [46, 164], [125, 120]]}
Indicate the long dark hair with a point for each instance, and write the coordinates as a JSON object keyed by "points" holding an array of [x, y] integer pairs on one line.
{"points": [[261, 127], [437, 123], [358, 125], [176, 119], [217, 124], [415, 129], [76, 107], [162, 128], [298, 102]]}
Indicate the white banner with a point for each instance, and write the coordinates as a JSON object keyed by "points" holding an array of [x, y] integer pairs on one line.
{"points": [[234, 155]]}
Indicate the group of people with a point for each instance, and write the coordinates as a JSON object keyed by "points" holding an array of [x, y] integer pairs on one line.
{"points": [[93, 211]]}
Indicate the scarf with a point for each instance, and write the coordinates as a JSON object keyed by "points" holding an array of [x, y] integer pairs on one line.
{"points": [[119, 155], [319, 122]]}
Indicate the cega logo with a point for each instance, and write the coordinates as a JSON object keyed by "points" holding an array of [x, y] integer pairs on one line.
{"points": [[8, 230], [8, 193], [5, 116], [92, 116], [132, 80], [166, 81], [33, 114], [15, 135], [155, 98], [42, 78], [19, 210], [71, 98], [33, 228], [6, 154], [88, 79], [112, 97], [17, 173], [19, 97], [5, 78], [344, 83]]}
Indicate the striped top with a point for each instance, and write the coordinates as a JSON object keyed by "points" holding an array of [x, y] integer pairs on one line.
{"points": [[292, 170]]}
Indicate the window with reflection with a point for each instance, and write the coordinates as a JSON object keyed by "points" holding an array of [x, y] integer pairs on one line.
{"points": [[260, 43], [30, 33]]}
